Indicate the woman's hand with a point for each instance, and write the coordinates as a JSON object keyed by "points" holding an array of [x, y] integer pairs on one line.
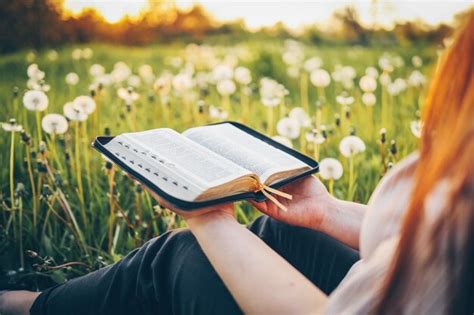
{"points": [[208, 212], [309, 205]]}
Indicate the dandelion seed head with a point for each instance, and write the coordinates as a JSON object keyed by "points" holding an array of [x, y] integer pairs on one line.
{"points": [[351, 145], [120, 72], [182, 82], [372, 72], [72, 113], [12, 126], [330, 169], [288, 127], [416, 79], [222, 72], [217, 113], [128, 95], [320, 78], [72, 78], [315, 137], [226, 87], [96, 70], [271, 92], [368, 83], [162, 85], [344, 99], [369, 99], [312, 64], [300, 116], [146, 73], [34, 72], [35, 100], [54, 124], [84, 103], [134, 81], [243, 75]]}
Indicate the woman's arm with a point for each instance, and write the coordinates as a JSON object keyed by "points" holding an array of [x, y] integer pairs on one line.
{"points": [[259, 279], [314, 208]]}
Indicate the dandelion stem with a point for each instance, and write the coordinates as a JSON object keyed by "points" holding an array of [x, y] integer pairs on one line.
{"points": [[111, 208], [12, 154], [20, 223], [351, 178], [33, 187], [304, 91], [85, 140], [78, 172], [331, 186], [38, 127]]}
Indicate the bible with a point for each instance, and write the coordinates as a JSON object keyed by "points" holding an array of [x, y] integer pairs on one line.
{"points": [[207, 165]]}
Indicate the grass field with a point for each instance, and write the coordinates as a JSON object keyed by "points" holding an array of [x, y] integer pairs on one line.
{"points": [[74, 212]]}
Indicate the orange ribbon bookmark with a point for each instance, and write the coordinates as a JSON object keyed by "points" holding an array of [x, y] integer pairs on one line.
{"points": [[267, 191]]}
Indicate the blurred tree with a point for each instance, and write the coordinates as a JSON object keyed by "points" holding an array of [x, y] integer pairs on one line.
{"points": [[30, 23]]}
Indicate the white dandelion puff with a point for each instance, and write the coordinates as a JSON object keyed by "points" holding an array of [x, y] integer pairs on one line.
{"points": [[351, 145], [134, 81], [182, 82], [369, 99], [226, 87], [85, 103], [72, 113], [312, 64], [320, 78], [372, 71], [330, 168], [128, 95], [96, 70], [344, 99], [288, 127], [416, 79], [12, 126], [35, 100], [368, 83], [222, 72], [217, 113], [300, 116], [315, 137], [242, 75], [72, 78], [54, 124]]}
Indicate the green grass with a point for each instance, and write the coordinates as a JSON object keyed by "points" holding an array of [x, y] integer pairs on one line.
{"points": [[71, 230]]}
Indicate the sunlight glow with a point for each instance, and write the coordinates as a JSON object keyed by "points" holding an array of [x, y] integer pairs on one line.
{"points": [[111, 10], [292, 13]]}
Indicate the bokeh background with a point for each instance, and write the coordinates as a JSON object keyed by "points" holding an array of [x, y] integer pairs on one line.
{"points": [[341, 81]]}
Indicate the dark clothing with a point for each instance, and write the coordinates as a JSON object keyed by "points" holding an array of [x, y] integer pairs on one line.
{"points": [[171, 275]]}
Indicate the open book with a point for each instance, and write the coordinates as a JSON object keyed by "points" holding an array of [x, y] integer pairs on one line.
{"points": [[206, 165]]}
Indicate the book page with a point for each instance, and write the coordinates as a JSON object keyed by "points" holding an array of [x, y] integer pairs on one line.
{"points": [[168, 180], [182, 159], [244, 149]]}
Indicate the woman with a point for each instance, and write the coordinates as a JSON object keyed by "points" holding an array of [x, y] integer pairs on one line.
{"points": [[415, 239]]}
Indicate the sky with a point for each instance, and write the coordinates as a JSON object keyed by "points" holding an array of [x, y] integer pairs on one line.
{"points": [[294, 14]]}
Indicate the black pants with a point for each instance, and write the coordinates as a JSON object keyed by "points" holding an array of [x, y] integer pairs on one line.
{"points": [[171, 275]]}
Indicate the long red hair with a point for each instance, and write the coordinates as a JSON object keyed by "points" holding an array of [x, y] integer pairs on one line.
{"points": [[446, 153]]}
